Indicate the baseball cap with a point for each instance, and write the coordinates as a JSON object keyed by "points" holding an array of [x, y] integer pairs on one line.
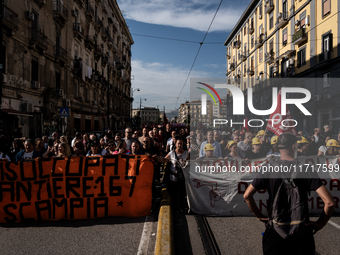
{"points": [[286, 140]]}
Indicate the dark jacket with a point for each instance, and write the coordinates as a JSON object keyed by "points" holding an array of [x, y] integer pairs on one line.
{"points": [[20, 154]]}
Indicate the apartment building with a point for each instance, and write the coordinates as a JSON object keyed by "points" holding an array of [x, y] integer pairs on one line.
{"points": [[196, 116], [67, 65], [288, 39], [149, 115]]}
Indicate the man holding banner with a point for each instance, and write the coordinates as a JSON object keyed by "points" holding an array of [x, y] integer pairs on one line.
{"points": [[300, 240]]}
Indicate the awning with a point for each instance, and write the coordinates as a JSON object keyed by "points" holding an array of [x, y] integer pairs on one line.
{"points": [[15, 112]]}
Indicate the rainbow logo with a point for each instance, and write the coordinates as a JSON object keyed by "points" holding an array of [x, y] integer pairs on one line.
{"points": [[209, 93]]}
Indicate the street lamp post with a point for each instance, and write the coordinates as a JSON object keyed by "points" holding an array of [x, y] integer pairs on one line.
{"points": [[140, 109], [132, 103]]}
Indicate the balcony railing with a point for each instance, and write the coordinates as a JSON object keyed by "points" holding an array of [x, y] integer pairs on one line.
{"points": [[99, 24], [251, 29], [78, 31], [89, 11], [269, 57], [10, 19], [60, 53], [80, 2], [231, 67], [250, 71], [59, 11], [282, 19], [38, 38], [237, 44], [40, 2], [228, 55], [259, 41], [269, 7], [300, 37], [89, 42]]}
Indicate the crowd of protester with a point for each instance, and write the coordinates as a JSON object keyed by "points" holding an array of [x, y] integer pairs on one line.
{"points": [[162, 145]]}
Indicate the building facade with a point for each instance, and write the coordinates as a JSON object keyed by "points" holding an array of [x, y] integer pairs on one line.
{"points": [[183, 113], [149, 115], [289, 39], [67, 65], [197, 118]]}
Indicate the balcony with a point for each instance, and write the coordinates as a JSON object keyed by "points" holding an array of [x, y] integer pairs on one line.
{"points": [[60, 54], [269, 57], [104, 34], [300, 37], [237, 44], [89, 42], [228, 55], [41, 3], [250, 71], [269, 7], [105, 59], [259, 41], [110, 43], [251, 29], [80, 2], [231, 67], [60, 13], [10, 19], [77, 70], [244, 56], [325, 56], [97, 52], [38, 39], [104, 6], [78, 31], [98, 26], [89, 11], [282, 19]]}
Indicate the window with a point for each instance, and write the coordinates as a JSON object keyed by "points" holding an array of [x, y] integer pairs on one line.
{"points": [[57, 80], [284, 36], [3, 57], [271, 71], [271, 45], [284, 9], [252, 64], [302, 18], [326, 42], [271, 20], [239, 55], [326, 80], [244, 31], [35, 69], [301, 57], [284, 67], [252, 41], [261, 54], [76, 89], [326, 7], [245, 49], [260, 11], [245, 68]]}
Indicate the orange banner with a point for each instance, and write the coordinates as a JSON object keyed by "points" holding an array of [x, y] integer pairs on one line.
{"points": [[75, 188]]}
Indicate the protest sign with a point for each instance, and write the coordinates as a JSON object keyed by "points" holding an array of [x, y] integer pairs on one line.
{"points": [[75, 188]]}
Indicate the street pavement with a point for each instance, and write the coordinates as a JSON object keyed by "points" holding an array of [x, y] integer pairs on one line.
{"points": [[99, 236], [243, 235]]}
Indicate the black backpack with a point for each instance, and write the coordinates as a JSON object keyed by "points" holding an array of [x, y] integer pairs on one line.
{"points": [[287, 214]]}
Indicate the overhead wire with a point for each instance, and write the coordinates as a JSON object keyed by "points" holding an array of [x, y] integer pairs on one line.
{"points": [[198, 52]]}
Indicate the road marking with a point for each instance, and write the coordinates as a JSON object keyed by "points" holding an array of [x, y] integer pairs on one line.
{"points": [[144, 241], [334, 224]]}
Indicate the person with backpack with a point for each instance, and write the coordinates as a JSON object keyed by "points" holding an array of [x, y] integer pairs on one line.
{"points": [[288, 228]]}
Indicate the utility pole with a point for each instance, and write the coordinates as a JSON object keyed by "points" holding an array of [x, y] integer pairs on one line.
{"points": [[2, 59]]}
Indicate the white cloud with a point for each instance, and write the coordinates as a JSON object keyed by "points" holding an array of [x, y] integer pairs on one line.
{"points": [[161, 84], [194, 14]]}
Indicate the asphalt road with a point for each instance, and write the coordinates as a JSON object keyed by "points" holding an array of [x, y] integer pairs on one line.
{"points": [[243, 235], [99, 236]]}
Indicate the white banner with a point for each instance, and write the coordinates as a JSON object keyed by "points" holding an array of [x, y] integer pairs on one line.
{"points": [[216, 187]]}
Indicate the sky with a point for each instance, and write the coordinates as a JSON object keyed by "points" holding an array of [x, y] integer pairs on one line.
{"points": [[160, 67]]}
